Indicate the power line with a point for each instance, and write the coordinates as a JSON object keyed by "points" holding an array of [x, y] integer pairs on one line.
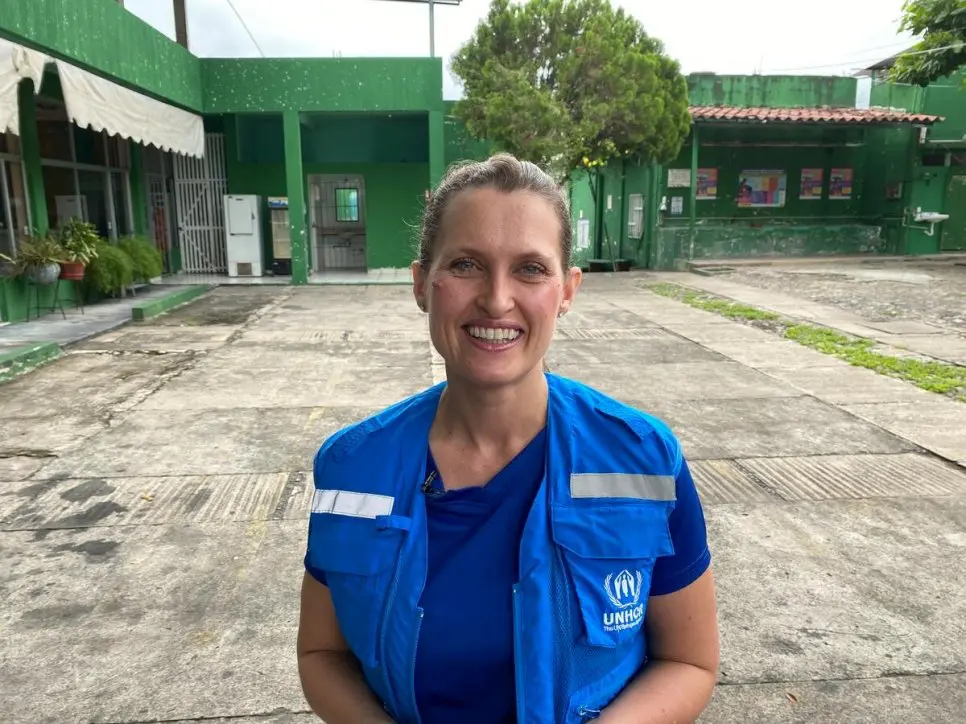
{"points": [[953, 46], [245, 25]]}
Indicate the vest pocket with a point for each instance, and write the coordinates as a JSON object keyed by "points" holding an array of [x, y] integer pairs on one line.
{"points": [[609, 550], [358, 556]]}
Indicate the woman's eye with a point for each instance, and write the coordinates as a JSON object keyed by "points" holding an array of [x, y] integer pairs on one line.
{"points": [[462, 265], [532, 269]]}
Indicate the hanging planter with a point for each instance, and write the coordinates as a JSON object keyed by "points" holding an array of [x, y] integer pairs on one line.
{"points": [[79, 241], [72, 271], [42, 273]]}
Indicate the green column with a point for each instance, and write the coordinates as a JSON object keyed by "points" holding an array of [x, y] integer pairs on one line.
{"points": [[295, 188], [139, 192], [30, 152], [693, 208], [437, 148]]}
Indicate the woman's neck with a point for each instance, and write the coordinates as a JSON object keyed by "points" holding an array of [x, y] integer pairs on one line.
{"points": [[500, 417]]}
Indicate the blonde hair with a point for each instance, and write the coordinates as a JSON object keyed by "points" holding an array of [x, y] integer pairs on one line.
{"points": [[502, 172]]}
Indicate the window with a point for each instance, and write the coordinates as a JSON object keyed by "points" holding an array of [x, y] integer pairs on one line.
{"points": [[14, 223], [635, 216], [347, 205], [85, 172]]}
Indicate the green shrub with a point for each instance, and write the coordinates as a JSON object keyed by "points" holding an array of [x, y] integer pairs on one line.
{"points": [[145, 257], [111, 271]]}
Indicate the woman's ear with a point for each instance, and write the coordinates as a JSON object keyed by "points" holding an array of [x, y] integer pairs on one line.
{"points": [[419, 285]]}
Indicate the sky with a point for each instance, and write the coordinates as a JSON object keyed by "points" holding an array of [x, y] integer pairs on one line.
{"points": [[820, 37]]}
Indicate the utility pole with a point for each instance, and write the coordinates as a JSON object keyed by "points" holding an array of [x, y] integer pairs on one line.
{"points": [[432, 30], [180, 23]]}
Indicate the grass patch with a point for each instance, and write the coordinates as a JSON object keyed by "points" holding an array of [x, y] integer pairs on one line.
{"points": [[725, 308], [939, 377]]}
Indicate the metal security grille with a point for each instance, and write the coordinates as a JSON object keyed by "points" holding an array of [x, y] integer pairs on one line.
{"points": [[338, 212], [200, 185]]}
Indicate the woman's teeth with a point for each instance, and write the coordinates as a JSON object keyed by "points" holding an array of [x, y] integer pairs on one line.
{"points": [[491, 334]]}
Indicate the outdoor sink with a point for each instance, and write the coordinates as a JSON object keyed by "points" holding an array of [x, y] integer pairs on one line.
{"points": [[930, 217]]}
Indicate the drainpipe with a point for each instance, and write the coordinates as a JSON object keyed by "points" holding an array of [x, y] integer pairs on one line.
{"points": [[432, 30], [622, 219], [180, 23], [694, 191]]}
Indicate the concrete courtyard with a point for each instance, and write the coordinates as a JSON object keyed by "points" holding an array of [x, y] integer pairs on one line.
{"points": [[155, 483]]}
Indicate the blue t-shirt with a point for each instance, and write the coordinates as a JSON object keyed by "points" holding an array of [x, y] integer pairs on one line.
{"points": [[464, 661]]}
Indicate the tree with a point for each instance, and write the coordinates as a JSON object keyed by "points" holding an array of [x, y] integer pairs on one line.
{"points": [[571, 83], [942, 49]]}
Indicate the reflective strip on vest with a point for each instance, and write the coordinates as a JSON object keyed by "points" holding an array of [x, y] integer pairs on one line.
{"points": [[622, 485], [346, 502]]}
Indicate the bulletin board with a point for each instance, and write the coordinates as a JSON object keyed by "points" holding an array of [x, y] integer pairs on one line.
{"points": [[762, 189]]}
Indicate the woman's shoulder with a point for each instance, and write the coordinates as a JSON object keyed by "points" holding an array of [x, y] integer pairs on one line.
{"points": [[603, 409], [373, 432]]}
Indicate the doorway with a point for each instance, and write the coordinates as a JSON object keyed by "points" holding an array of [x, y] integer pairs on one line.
{"points": [[338, 218], [954, 228]]}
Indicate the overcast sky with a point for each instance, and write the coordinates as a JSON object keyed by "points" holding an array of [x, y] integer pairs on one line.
{"points": [[819, 37]]}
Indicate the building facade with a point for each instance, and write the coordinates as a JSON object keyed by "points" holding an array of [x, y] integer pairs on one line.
{"points": [[349, 146], [774, 166]]}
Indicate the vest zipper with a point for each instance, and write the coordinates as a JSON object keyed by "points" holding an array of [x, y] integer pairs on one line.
{"points": [[518, 670], [412, 668]]}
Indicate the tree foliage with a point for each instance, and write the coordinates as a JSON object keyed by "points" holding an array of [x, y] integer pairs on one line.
{"points": [[942, 49], [571, 83]]}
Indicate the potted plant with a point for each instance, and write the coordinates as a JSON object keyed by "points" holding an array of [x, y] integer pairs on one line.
{"points": [[38, 259], [79, 240]]}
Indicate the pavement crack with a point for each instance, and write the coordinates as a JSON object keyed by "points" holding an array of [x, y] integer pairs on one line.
{"points": [[282, 711], [844, 679], [26, 452], [258, 314], [285, 496]]}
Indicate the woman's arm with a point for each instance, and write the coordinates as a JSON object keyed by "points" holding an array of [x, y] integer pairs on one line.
{"points": [[677, 684], [332, 679]]}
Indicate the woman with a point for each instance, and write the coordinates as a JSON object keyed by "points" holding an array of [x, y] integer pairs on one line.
{"points": [[510, 546]]}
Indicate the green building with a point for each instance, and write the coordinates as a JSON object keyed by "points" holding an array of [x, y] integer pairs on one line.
{"points": [[781, 166], [937, 172], [108, 119]]}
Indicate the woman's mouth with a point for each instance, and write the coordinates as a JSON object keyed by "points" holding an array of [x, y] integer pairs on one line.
{"points": [[493, 338]]}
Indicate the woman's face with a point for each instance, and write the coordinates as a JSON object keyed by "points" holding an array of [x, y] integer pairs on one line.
{"points": [[496, 285]]}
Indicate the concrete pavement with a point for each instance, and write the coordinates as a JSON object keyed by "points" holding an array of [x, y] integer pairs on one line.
{"points": [[155, 483]]}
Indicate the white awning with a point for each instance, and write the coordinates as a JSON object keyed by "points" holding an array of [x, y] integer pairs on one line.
{"points": [[104, 105], [16, 63]]}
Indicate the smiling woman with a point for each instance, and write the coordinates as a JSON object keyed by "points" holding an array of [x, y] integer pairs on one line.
{"points": [[510, 545]]}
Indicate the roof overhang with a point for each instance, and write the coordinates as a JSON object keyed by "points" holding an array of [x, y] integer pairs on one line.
{"points": [[810, 116]]}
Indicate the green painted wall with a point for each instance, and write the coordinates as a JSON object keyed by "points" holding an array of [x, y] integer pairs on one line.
{"points": [[770, 91], [322, 84], [337, 138], [774, 240], [394, 198], [103, 37], [15, 293], [460, 145]]}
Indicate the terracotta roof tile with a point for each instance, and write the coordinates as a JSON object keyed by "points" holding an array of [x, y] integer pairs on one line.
{"points": [[848, 116]]}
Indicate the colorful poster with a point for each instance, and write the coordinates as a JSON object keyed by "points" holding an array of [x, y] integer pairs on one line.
{"points": [[812, 181], [707, 184], [840, 183], [762, 189]]}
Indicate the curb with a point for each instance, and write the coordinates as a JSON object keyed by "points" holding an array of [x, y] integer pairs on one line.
{"points": [[19, 360], [154, 307]]}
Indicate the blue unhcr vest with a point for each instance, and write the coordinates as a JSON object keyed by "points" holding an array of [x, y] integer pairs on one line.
{"points": [[597, 525]]}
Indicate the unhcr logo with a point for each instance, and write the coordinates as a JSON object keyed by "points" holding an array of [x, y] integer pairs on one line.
{"points": [[624, 591]]}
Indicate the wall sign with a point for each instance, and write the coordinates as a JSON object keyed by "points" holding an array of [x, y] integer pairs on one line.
{"points": [[679, 178], [840, 183], [707, 184], [677, 205], [583, 233], [812, 181], [762, 189]]}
